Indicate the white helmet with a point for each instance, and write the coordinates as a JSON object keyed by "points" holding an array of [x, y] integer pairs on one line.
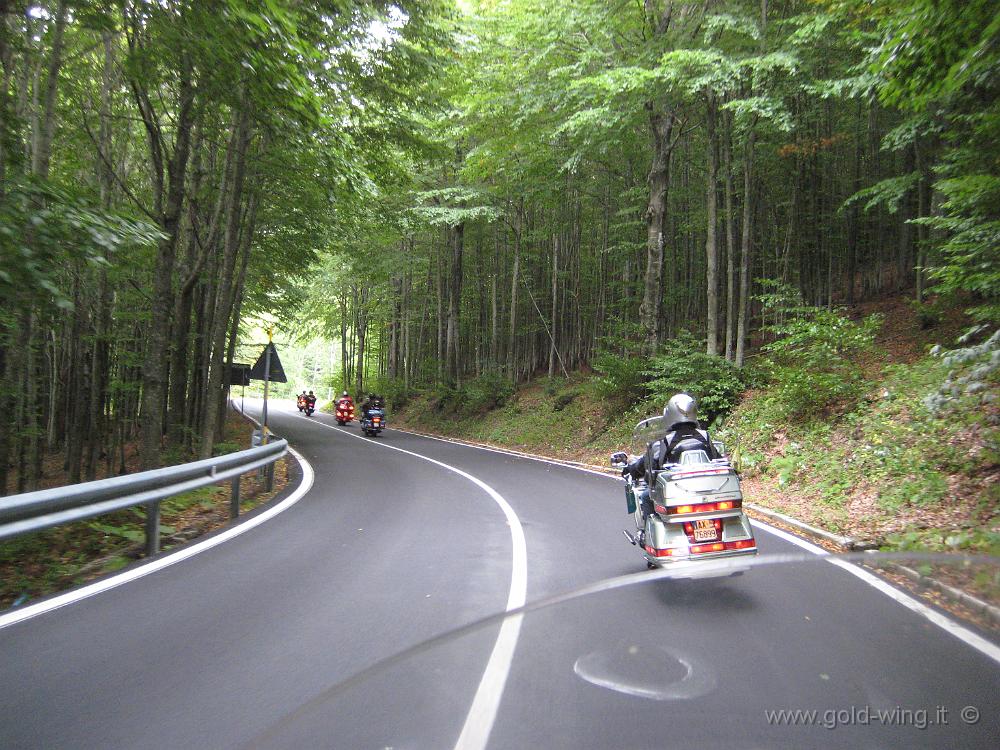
{"points": [[680, 409]]}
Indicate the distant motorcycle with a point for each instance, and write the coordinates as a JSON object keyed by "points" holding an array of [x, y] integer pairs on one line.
{"points": [[344, 411], [310, 406], [373, 422], [697, 512], [300, 402]]}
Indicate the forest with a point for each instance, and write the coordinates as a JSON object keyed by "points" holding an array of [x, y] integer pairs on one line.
{"points": [[466, 192]]}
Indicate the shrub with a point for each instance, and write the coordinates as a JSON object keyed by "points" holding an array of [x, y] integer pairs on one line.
{"points": [[391, 389], [974, 373], [684, 367], [813, 360], [486, 392], [564, 399], [928, 314], [621, 378], [222, 449]]}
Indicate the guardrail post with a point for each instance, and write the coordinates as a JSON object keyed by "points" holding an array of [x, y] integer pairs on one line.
{"points": [[152, 528], [269, 477], [234, 498]]}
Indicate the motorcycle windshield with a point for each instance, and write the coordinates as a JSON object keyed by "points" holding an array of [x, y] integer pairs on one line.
{"points": [[647, 431]]}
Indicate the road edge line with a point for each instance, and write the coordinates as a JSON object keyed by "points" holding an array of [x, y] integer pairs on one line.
{"points": [[30, 611], [486, 702], [949, 625]]}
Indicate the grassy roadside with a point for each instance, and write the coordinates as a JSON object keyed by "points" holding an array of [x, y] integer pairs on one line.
{"points": [[888, 470], [883, 467], [65, 556]]}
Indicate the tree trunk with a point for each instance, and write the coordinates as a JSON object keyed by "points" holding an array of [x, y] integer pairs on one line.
{"points": [[153, 371], [512, 332], [43, 142], [555, 300], [745, 251], [661, 126], [454, 304], [240, 144], [362, 317], [727, 154], [711, 244]]}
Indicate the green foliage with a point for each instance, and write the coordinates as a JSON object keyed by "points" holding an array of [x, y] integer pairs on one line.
{"points": [[928, 313], [621, 378], [221, 449], [476, 396], [486, 392], [684, 367], [892, 447], [391, 389], [941, 57], [889, 193], [813, 360], [43, 229], [974, 374]]}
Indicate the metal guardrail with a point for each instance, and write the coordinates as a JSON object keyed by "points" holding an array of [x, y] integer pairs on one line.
{"points": [[34, 511]]}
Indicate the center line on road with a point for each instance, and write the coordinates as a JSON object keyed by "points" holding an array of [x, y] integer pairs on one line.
{"points": [[486, 703]]}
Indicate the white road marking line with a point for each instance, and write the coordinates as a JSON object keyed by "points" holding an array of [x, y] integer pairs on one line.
{"points": [[105, 584], [486, 703], [945, 623], [970, 638]]}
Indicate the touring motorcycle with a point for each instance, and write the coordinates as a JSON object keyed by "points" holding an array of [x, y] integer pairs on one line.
{"points": [[374, 422], [344, 411], [697, 508]]}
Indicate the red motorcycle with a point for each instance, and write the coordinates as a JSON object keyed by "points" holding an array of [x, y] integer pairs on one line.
{"points": [[344, 411]]}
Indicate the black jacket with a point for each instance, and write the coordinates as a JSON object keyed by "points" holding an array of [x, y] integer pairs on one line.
{"points": [[668, 451]]}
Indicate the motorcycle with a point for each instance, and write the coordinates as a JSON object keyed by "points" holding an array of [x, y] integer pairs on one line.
{"points": [[310, 406], [374, 422], [344, 412], [697, 510], [301, 403]]}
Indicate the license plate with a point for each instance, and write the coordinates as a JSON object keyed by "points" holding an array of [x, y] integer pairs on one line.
{"points": [[704, 531]]}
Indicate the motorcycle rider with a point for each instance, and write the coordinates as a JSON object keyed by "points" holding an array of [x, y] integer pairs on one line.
{"points": [[373, 401], [680, 417], [311, 399]]}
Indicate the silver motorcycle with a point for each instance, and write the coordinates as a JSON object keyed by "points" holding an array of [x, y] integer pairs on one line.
{"points": [[697, 509]]}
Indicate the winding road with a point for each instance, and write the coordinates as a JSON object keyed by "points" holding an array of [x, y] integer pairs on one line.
{"points": [[401, 538]]}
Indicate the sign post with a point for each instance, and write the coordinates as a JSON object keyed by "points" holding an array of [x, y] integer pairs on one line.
{"points": [[268, 368], [267, 379]]}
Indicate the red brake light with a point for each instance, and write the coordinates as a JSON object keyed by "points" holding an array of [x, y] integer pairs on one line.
{"points": [[697, 549], [703, 507], [664, 552]]}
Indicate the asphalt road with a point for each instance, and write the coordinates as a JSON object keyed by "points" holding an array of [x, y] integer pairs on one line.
{"points": [[248, 644]]}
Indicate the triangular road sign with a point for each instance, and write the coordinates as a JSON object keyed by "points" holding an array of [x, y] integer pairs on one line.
{"points": [[277, 372]]}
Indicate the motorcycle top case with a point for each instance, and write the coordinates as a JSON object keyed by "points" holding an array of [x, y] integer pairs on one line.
{"points": [[715, 482]]}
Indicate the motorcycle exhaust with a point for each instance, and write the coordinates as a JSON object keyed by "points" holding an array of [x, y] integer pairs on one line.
{"points": [[632, 539]]}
